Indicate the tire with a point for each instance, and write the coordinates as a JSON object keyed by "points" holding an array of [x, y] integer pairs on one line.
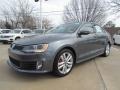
{"points": [[114, 42], [107, 50], [5, 42], [61, 66]]}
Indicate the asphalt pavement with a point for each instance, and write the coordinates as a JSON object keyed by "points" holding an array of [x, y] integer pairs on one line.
{"points": [[101, 73]]}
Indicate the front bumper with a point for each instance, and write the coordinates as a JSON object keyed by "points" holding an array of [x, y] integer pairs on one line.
{"points": [[6, 39], [23, 71], [27, 62]]}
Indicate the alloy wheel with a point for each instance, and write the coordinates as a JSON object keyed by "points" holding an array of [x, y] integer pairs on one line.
{"points": [[107, 51], [65, 63]]}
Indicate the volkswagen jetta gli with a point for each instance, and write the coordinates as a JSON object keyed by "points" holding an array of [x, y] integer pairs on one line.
{"points": [[59, 49]]}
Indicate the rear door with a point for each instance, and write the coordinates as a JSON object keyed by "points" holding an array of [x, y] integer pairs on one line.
{"points": [[101, 38]]}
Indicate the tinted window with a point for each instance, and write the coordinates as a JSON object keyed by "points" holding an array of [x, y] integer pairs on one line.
{"points": [[87, 28], [17, 31], [26, 31], [98, 29], [6, 31]]}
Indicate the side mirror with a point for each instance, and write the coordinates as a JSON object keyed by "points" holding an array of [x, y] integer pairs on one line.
{"points": [[83, 33]]}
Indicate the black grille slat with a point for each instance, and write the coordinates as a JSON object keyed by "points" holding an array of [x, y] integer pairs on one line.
{"points": [[23, 64]]}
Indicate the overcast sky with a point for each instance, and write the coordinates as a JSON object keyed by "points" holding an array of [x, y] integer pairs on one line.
{"points": [[57, 5]]}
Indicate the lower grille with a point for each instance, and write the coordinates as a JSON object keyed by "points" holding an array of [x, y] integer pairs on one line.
{"points": [[24, 65]]}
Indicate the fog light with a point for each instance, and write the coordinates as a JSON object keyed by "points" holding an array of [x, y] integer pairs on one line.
{"points": [[39, 65]]}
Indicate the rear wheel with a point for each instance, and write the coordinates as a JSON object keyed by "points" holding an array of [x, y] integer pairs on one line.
{"points": [[63, 63], [107, 50]]}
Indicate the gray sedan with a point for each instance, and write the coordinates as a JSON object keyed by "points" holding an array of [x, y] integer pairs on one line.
{"points": [[59, 49]]}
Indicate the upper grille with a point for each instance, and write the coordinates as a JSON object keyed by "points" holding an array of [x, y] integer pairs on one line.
{"points": [[17, 47]]}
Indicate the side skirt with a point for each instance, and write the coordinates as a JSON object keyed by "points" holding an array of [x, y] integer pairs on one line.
{"points": [[92, 56]]}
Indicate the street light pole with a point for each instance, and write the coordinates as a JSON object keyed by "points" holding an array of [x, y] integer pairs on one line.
{"points": [[41, 19], [41, 15]]}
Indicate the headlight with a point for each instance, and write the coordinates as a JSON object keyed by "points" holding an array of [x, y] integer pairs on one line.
{"points": [[35, 48], [9, 36]]}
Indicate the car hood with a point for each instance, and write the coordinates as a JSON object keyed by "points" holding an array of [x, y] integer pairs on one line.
{"points": [[42, 39], [8, 34]]}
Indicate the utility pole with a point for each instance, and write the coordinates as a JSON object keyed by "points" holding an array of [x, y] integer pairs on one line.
{"points": [[41, 15]]}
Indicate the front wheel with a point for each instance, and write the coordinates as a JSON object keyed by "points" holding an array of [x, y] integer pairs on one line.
{"points": [[5, 42], [107, 50], [63, 63]]}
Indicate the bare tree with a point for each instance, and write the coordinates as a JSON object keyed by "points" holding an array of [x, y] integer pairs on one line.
{"points": [[109, 24], [26, 11], [2, 24], [85, 10], [20, 14], [115, 5], [47, 24], [7, 18], [29, 23]]}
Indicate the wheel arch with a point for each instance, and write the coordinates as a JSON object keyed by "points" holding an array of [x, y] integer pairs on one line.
{"points": [[55, 72], [17, 37], [70, 48]]}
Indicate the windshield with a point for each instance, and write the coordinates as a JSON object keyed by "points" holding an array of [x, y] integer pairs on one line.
{"points": [[65, 28], [17, 31], [38, 31], [6, 31]]}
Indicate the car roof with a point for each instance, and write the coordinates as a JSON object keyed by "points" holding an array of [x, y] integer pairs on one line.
{"points": [[38, 29], [82, 22], [5, 29], [21, 29]]}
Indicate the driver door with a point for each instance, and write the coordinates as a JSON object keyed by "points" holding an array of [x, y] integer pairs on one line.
{"points": [[86, 43]]}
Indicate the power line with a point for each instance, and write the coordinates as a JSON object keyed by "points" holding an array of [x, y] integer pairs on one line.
{"points": [[60, 11], [52, 13]]}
